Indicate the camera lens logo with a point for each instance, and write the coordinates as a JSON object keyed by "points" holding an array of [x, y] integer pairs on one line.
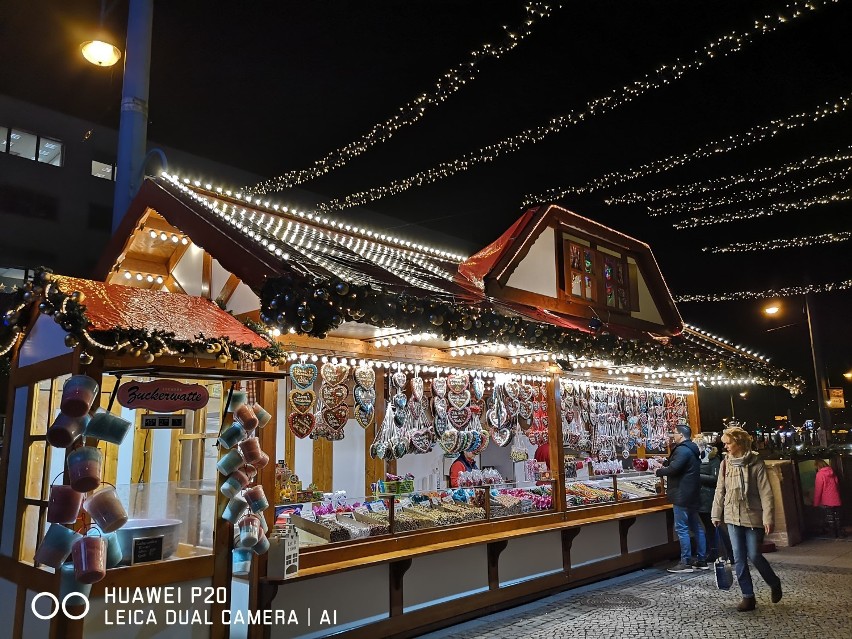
{"points": [[63, 605]]}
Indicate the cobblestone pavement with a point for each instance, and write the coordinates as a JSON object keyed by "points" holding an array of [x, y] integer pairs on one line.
{"points": [[816, 577]]}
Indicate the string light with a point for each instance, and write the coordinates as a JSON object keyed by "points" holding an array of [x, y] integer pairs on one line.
{"points": [[772, 209], [782, 243], [788, 291], [448, 84], [759, 133], [722, 183], [663, 75], [750, 196]]}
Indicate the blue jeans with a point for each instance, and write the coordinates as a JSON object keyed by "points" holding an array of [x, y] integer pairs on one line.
{"points": [[684, 519], [746, 544]]}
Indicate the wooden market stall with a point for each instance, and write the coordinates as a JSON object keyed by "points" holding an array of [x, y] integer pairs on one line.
{"points": [[372, 355]]}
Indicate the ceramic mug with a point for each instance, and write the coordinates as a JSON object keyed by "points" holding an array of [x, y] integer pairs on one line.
{"points": [[78, 395], [250, 448], [89, 557], [106, 509], [64, 504], [256, 499], [65, 430], [245, 415], [84, 468], [235, 482], [234, 509], [231, 436], [230, 462], [263, 415], [249, 531], [56, 545], [107, 427]]}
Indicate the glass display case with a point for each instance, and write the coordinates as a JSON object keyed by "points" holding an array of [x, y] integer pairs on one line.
{"points": [[609, 489], [339, 519]]}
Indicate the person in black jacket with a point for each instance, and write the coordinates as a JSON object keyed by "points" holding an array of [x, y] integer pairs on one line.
{"points": [[683, 468], [711, 461]]}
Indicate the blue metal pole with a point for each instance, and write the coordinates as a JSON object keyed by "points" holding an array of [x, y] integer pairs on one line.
{"points": [[133, 127]]}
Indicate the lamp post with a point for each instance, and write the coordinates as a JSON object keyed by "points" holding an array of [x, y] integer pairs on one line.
{"points": [[816, 358]]}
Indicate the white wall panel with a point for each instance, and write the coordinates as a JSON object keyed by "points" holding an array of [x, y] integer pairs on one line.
{"points": [[537, 271]]}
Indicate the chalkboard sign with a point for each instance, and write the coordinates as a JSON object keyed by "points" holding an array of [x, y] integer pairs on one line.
{"points": [[147, 549]]}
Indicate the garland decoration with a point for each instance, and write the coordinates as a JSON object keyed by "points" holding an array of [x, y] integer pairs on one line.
{"points": [[665, 74], [759, 133], [757, 176], [298, 303], [788, 291], [448, 84], [69, 311], [781, 243]]}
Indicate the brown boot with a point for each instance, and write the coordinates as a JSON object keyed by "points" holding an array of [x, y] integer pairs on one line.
{"points": [[747, 604]]}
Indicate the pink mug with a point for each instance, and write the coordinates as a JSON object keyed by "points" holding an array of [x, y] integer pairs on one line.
{"points": [[245, 415], [250, 448], [78, 395], [64, 505], [89, 557]]}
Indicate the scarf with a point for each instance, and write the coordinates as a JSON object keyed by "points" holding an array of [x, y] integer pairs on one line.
{"points": [[737, 470]]}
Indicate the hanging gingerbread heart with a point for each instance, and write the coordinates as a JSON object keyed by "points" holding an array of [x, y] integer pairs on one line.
{"points": [[303, 375], [336, 417], [399, 378], [458, 416], [525, 393], [457, 383], [421, 440], [416, 388], [439, 386], [365, 376], [485, 438], [365, 397], [365, 416], [502, 436], [302, 424], [439, 404], [333, 396], [302, 401], [478, 387], [334, 374], [459, 399], [450, 440]]}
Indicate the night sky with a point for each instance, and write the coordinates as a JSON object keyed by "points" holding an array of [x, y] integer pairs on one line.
{"points": [[273, 86]]}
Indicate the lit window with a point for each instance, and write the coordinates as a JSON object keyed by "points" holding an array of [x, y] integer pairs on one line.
{"points": [[23, 144], [50, 151], [4, 134], [101, 170]]}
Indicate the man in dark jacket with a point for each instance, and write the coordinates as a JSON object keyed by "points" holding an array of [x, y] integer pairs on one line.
{"points": [[683, 468]]}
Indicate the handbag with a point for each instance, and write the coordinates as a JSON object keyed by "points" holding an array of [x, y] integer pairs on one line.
{"points": [[722, 567]]}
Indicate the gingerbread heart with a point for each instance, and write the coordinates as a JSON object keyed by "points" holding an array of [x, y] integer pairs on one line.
{"points": [[450, 440], [525, 393], [302, 424], [457, 383], [439, 386], [334, 374], [459, 416], [439, 404], [365, 376], [365, 397], [478, 386], [399, 378], [336, 418], [416, 388], [502, 436], [333, 396], [422, 440], [486, 439], [459, 400], [512, 389], [302, 401], [400, 401], [303, 375], [365, 416]]}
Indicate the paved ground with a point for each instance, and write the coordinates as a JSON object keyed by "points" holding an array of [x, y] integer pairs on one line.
{"points": [[652, 604]]}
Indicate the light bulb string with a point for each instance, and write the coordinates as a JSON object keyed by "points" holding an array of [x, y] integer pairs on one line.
{"points": [[788, 291], [446, 86], [781, 243]]}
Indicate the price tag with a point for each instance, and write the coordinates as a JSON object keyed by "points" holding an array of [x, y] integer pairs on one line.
{"points": [[405, 502], [436, 501], [377, 506], [331, 517], [362, 510], [346, 516]]}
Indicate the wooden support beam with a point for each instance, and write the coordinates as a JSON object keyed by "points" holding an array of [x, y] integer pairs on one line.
{"points": [[139, 265], [624, 526], [568, 535], [374, 468], [494, 549], [557, 451], [227, 291], [207, 275], [397, 573]]}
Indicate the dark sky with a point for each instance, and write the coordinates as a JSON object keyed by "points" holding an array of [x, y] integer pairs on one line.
{"points": [[272, 86]]}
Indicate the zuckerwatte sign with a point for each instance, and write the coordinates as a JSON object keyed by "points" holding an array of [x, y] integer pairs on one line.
{"points": [[163, 396]]}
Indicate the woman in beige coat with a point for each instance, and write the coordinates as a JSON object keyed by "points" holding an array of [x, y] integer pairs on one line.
{"points": [[743, 500]]}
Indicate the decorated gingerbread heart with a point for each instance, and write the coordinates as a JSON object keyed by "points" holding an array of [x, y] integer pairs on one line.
{"points": [[336, 417], [457, 383], [333, 396], [439, 386], [365, 397], [302, 401], [399, 378], [502, 436], [365, 416], [334, 374], [512, 389], [416, 388], [303, 375], [365, 376], [302, 424], [459, 399], [458, 416]]}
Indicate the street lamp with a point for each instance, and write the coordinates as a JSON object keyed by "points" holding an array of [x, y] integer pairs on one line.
{"points": [[816, 357], [133, 126]]}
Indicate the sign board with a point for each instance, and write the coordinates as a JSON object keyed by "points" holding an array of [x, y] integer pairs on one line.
{"points": [[163, 395], [147, 549], [780, 418], [835, 398], [163, 421]]}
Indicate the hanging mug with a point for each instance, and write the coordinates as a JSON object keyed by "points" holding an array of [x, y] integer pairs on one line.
{"points": [[256, 499], [56, 545], [84, 468], [263, 415], [78, 395], [249, 531], [238, 398], [245, 415], [113, 555], [64, 504], [89, 557], [250, 448], [68, 583], [230, 462], [235, 482], [65, 430], [231, 436], [262, 545], [106, 509], [107, 427], [241, 561], [234, 509]]}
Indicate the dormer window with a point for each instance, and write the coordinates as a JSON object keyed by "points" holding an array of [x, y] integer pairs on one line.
{"points": [[595, 274]]}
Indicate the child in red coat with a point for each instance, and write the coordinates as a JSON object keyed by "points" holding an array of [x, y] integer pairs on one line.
{"points": [[827, 495]]}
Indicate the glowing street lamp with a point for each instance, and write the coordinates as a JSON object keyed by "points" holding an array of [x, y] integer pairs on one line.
{"points": [[100, 53], [772, 309]]}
